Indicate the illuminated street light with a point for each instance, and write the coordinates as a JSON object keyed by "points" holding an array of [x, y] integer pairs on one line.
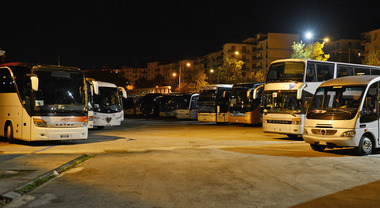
{"points": [[236, 52]]}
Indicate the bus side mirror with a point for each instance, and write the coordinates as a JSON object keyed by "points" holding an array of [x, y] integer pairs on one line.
{"points": [[123, 91], [256, 92], [96, 87], [224, 94], [34, 83], [249, 93]]}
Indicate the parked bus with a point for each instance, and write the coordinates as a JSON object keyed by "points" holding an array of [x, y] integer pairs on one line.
{"points": [[245, 103], [108, 106], [344, 112], [42, 102], [187, 107], [165, 105], [213, 103], [146, 104], [92, 88], [291, 83]]}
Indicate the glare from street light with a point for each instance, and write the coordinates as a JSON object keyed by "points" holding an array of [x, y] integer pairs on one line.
{"points": [[174, 74], [188, 64], [237, 52], [309, 35], [212, 70]]}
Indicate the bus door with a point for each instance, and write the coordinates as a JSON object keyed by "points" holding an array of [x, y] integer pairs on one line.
{"points": [[369, 118]]}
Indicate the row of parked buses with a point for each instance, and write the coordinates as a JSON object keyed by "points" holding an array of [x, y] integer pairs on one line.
{"points": [[48, 102], [326, 103], [329, 104]]}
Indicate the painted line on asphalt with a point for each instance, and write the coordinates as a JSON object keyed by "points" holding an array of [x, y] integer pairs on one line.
{"points": [[44, 149]]}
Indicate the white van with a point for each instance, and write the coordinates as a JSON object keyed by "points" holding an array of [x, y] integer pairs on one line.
{"points": [[344, 112]]}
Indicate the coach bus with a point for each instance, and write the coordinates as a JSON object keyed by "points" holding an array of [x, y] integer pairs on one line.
{"points": [[245, 103], [213, 103], [344, 112], [291, 83], [108, 106], [187, 107], [42, 102]]}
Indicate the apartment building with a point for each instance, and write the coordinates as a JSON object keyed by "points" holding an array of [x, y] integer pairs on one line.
{"points": [[371, 42], [273, 46], [345, 50], [256, 53]]}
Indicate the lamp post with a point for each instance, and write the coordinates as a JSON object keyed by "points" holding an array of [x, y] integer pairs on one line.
{"points": [[309, 35], [180, 72]]}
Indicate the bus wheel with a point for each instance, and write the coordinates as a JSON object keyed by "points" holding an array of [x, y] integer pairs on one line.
{"points": [[319, 148], [9, 133], [365, 146]]}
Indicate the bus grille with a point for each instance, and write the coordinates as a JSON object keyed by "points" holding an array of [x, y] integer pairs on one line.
{"points": [[323, 131], [279, 121]]}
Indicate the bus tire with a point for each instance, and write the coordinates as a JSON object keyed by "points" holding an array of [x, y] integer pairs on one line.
{"points": [[365, 146], [318, 148], [9, 133]]}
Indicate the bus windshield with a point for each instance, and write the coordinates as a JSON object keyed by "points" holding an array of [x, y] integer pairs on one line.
{"points": [[281, 102], [108, 100], [286, 72], [60, 93], [240, 102], [207, 101], [336, 103]]}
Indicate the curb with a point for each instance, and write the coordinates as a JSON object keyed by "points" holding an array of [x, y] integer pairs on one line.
{"points": [[40, 180]]}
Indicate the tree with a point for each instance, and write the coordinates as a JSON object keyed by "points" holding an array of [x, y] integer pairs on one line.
{"points": [[309, 51], [231, 72], [373, 58], [198, 80]]}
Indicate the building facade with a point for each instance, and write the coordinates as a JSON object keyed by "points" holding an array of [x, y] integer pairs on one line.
{"points": [[345, 50], [371, 42]]}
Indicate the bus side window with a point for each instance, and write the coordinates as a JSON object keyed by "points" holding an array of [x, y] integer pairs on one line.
{"points": [[343, 71], [375, 71], [6, 81], [310, 72], [360, 70], [324, 72]]}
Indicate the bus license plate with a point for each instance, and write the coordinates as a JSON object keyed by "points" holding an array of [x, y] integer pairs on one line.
{"points": [[65, 136], [322, 143]]}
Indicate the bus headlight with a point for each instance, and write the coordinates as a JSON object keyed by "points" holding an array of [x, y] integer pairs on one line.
{"points": [[39, 122], [351, 133], [296, 121]]}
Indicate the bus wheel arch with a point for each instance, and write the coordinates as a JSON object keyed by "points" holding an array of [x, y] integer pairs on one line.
{"points": [[8, 129], [366, 145]]}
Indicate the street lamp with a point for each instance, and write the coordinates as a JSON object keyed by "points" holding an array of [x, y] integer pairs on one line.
{"points": [[309, 36], [180, 73]]}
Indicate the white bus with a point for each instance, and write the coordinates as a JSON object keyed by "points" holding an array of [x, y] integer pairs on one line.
{"points": [[291, 83], [188, 107], [344, 112], [108, 105], [213, 103], [42, 102]]}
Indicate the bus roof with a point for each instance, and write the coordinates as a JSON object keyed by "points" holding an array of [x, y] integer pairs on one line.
{"points": [[248, 84], [214, 86], [350, 80], [106, 84], [305, 60], [39, 66]]}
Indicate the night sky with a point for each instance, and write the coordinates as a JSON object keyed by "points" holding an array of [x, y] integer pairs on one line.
{"points": [[90, 34]]}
